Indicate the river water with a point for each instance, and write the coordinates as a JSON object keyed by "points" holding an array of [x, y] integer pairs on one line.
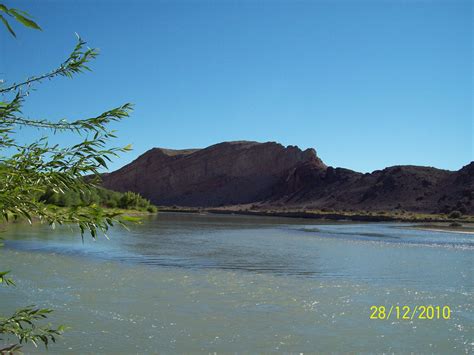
{"points": [[209, 283]]}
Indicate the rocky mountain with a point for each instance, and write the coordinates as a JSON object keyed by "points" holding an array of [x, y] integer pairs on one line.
{"points": [[410, 188], [222, 174], [270, 174]]}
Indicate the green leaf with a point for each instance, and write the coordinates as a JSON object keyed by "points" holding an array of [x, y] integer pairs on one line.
{"points": [[131, 219], [24, 20], [5, 22]]}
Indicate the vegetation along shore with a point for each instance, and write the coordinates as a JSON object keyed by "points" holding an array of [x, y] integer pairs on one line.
{"points": [[362, 216]]}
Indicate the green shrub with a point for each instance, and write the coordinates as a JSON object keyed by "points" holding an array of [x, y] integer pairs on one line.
{"points": [[111, 204], [98, 196], [455, 214], [152, 209]]}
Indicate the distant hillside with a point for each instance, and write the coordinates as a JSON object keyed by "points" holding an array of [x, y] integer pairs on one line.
{"points": [[243, 172]]}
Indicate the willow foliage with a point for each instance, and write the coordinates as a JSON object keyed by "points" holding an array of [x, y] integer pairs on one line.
{"points": [[28, 171]]}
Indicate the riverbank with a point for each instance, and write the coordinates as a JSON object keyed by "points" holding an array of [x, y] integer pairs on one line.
{"points": [[360, 216], [445, 227]]}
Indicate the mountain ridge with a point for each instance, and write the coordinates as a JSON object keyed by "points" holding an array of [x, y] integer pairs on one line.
{"points": [[270, 174]]}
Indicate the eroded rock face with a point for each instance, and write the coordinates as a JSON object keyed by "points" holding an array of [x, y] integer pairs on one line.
{"points": [[222, 174]]}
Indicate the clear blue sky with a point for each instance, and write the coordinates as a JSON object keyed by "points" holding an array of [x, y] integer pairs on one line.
{"points": [[368, 84]]}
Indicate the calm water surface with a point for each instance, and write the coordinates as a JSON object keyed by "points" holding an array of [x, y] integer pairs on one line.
{"points": [[182, 283]]}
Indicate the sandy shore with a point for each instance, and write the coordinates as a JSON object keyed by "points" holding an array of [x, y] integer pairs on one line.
{"points": [[443, 228]]}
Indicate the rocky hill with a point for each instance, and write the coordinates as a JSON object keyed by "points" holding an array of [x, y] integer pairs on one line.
{"points": [[410, 188], [223, 174], [270, 174]]}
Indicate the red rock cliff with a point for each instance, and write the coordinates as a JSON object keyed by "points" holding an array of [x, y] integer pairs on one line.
{"points": [[222, 174]]}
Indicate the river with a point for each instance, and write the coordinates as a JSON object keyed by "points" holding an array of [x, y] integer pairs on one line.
{"points": [[215, 283]]}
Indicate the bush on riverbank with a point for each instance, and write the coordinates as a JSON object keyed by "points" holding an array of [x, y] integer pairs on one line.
{"points": [[98, 196], [455, 214]]}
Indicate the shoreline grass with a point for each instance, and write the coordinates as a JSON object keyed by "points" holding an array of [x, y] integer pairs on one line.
{"points": [[362, 216]]}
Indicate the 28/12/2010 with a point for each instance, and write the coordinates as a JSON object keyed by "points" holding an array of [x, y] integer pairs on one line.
{"points": [[409, 313]]}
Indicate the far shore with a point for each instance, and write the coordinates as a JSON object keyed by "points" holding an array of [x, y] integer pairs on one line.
{"points": [[424, 221], [360, 216]]}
